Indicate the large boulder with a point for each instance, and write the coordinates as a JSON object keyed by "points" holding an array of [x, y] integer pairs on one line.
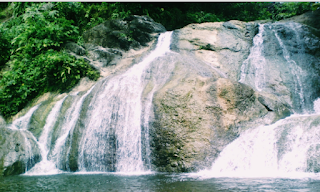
{"points": [[198, 112], [18, 152], [203, 107], [111, 42], [223, 45], [131, 32]]}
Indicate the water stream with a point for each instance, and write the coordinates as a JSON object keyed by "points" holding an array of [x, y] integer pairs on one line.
{"points": [[275, 65], [295, 70], [253, 68], [21, 124], [110, 122], [114, 136], [45, 166]]}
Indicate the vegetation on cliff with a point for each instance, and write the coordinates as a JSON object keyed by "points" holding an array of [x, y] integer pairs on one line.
{"points": [[32, 35]]}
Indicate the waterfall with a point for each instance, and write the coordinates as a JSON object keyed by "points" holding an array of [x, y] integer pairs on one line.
{"points": [[69, 123], [112, 137], [21, 124], [106, 127], [114, 132], [288, 147], [295, 69], [46, 166], [253, 68], [278, 64]]}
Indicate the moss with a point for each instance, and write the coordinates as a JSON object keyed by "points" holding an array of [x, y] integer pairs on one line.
{"points": [[39, 117], [15, 169], [57, 127]]}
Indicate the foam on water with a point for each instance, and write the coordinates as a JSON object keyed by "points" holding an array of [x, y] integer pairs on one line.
{"points": [[283, 149], [112, 140], [45, 166]]}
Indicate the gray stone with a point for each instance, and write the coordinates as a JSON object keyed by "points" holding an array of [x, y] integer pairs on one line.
{"points": [[14, 157], [104, 56], [197, 114], [132, 32], [75, 48]]}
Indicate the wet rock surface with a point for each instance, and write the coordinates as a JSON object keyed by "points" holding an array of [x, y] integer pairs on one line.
{"points": [[198, 106], [15, 158], [111, 42], [203, 107]]}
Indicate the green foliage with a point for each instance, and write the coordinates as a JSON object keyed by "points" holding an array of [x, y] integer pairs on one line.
{"points": [[3, 5], [31, 76], [19, 7], [42, 30], [4, 49], [31, 38], [37, 62], [200, 17], [289, 9], [315, 6]]}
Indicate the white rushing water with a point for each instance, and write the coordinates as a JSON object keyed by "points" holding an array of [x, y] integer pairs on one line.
{"points": [[112, 138], [45, 166], [253, 69], [295, 70], [291, 146], [290, 52], [69, 123], [287, 148], [21, 124]]}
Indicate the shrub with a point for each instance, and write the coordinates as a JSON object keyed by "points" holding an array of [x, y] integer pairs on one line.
{"points": [[38, 63]]}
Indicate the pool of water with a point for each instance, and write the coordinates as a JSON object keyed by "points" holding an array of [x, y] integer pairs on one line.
{"points": [[152, 182]]}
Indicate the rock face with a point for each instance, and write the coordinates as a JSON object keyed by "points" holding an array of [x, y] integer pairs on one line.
{"points": [[108, 43], [218, 80], [203, 107], [310, 19], [285, 62], [132, 32], [224, 46], [196, 116], [15, 154]]}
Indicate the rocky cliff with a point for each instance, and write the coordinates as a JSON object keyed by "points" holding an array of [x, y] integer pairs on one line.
{"points": [[203, 107], [217, 80]]}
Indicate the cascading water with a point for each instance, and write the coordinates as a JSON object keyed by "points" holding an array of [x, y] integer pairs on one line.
{"points": [[278, 64], [106, 128], [296, 71], [21, 124], [284, 149], [46, 166], [59, 153], [112, 137], [290, 147], [253, 68]]}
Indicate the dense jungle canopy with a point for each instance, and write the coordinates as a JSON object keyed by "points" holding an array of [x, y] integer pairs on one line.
{"points": [[32, 35]]}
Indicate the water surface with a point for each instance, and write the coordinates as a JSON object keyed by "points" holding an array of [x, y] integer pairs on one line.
{"points": [[152, 182]]}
